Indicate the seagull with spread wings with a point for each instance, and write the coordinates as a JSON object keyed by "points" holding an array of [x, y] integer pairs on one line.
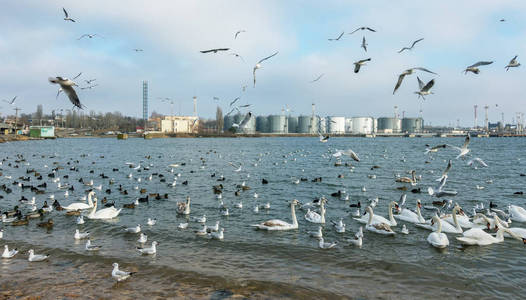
{"points": [[318, 78], [473, 68], [66, 16], [412, 45], [360, 63], [513, 63], [89, 35], [364, 44], [237, 33], [66, 85], [10, 102], [214, 50], [258, 65], [409, 72], [424, 89], [363, 28], [231, 103]]}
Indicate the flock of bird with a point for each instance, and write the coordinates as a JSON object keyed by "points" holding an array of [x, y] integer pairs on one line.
{"points": [[473, 229]]}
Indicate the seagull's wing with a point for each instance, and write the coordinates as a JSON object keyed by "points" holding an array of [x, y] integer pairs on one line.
{"points": [[447, 168], [355, 30], [245, 120], [72, 95], [428, 86], [399, 82], [340, 36], [82, 36], [77, 76], [65, 12], [424, 69], [420, 83], [231, 103], [58, 92], [13, 100], [370, 29], [513, 59], [481, 63], [254, 73], [268, 57], [466, 142], [318, 78], [206, 51], [364, 60], [454, 147], [405, 48], [416, 42], [356, 67]]}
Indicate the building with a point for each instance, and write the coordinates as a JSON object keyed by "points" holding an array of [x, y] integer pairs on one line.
{"points": [[42, 131], [180, 124]]}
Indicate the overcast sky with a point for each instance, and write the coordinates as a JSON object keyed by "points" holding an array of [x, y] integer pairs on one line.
{"points": [[36, 43]]}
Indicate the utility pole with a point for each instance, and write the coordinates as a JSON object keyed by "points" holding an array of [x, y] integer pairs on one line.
{"points": [[475, 125], [16, 119], [486, 120]]}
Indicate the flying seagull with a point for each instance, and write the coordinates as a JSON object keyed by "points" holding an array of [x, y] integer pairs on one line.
{"points": [[90, 81], [137, 50], [258, 65], [364, 44], [473, 68], [412, 45], [216, 98], [464, 149], [502, 20], [318, 78], [215, 50], [237, 33], [66, 17], [359, 63], [338, 38], [244, 122], [237, 55], [409, 72], [363, 28], [89, 87], [67, 86], [10, 102], [424, 89], [90, 36], [245, 105], [513, 63]]}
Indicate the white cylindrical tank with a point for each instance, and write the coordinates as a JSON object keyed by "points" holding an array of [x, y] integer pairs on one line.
{"points": [[362, 125], [277, 123], [348, 125], [320, 125], [336, 125]]}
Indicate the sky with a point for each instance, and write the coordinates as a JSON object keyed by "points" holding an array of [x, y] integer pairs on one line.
{"points": [[37, 43]]}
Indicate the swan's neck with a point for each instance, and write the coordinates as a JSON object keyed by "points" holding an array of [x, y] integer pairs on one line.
{"points": [[94, 209], [419, 214], [322, 212], [293, 212], [391, 217], [455, 221], [439, 226], [90, 201], [370, 218], [500, 235]]}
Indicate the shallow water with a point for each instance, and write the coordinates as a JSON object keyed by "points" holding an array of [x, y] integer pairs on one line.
{"points": [[284, 264]]}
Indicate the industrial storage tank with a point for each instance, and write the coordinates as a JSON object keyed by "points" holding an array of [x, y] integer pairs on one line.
{"points": [[348, 125], [277, 123], [412, 125], [228, 121], [304, 124], [320, 125], [292, 124], [362, 125], [262, 124], [238, 118], [388, 125], [336, 125], [250, 126]]}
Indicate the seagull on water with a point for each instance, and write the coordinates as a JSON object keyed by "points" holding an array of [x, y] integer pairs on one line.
{"points": [[338, 38], [412, 45], [135, 229], [363, 28], [424, 89], [360, 63], [258, 65], [409, 72], [512, 64], [324, 245], [67, 85], [143, 238], [35, 257], [90, 247], [473, 68], [9, 253], [120, 275], [148, 251], [66, 16], [80, 235]]}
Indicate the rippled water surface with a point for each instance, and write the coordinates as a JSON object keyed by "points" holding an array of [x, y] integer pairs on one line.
{"points": [[290, 261]]}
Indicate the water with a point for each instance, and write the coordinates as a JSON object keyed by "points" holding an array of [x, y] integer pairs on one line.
{"points": [[287, 264]]}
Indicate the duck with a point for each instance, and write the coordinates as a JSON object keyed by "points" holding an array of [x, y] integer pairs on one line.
{"points": [[9, 253], [105, 213], [20, 222], [48, 224], [409, 216], [411, 180], [148, 251], [323, 245], [80, 235], [132, 205], [380, 227], [80, 205], [274, 225], [46, 207], [314, 217], [437, 238], [35, 257], [379, 219], [183, 208]]}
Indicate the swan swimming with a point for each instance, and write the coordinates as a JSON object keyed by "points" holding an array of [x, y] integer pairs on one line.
{"points": [[105, 213], [411, 217], [314, 217], [376, 219], [272, 225], [80, 205], [381, 228], [437, 239]]}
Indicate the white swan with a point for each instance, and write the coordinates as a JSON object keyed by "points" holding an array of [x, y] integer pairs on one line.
{"points": [[80, 205], [314, 217], [517, 213], [438, 239], [446, 227], [381, 228], [477, 236], [411, 217], [106, 213], [272, 225], [379, 219], [183, 208]]}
